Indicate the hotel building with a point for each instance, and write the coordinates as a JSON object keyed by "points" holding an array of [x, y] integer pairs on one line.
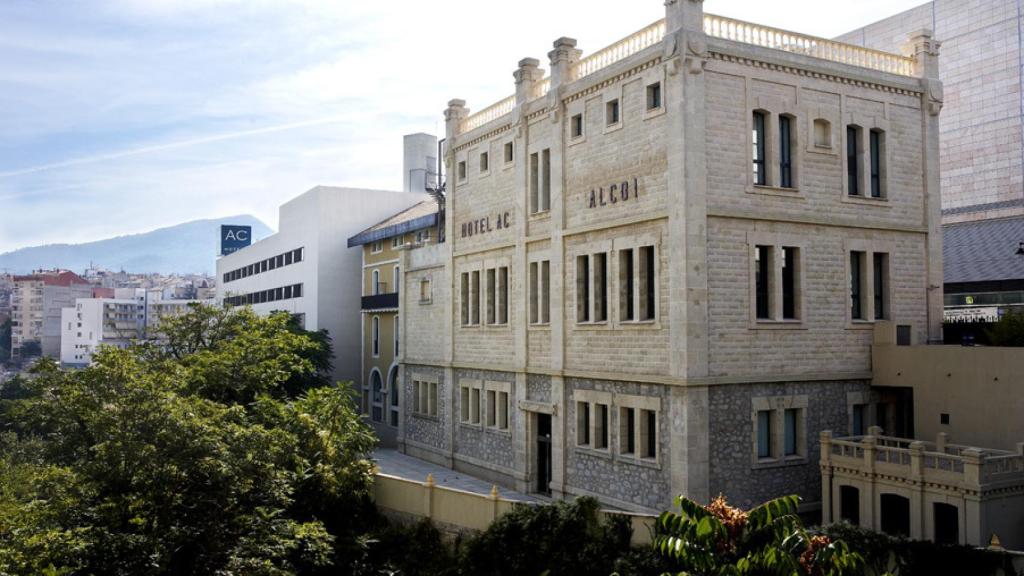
{"points": [[664, 262]]}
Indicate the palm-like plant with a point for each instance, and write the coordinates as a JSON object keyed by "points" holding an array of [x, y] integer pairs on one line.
{"points": [[719, 540]]}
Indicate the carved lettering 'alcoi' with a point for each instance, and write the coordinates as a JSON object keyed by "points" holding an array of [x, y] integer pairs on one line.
{"points": [[486, 224], [615, 193]]}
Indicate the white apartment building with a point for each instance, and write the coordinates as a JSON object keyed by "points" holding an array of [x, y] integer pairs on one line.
{"points": [[132, 315], [36, 304], [664, 262], [306, 268]]}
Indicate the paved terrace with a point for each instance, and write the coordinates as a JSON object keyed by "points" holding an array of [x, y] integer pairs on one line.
{"points": [[394, 463]]}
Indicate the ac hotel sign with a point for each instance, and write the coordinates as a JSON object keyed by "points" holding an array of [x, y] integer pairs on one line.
{"points": [[478, 226]]}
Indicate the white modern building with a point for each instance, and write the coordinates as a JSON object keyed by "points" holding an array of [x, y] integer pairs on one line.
{"points": [[306, 268], [132, 315]]}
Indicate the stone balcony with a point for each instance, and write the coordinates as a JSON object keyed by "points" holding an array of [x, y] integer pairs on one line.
{"points": [[939, 491]]}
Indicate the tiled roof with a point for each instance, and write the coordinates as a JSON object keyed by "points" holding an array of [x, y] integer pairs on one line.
{"points": [[983, 251], [416, 217]]}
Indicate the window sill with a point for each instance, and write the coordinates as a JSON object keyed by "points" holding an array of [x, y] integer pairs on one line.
{"points": [[639, 461], [654, 112], [540, 214], [484, 173], [499, 431], [640, 324], [762, 324], [425, 302], [867, 201], [425, 417], [609, 128], [774, 191], [599, 325], [508, 165], [470, 326], [783, 462], [826, 150], [543, 326], [861, 325], [478, 426], [574, 140], [605, 453]]}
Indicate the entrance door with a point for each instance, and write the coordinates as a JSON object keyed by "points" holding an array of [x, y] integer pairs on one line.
{"points": [[544, 453]]}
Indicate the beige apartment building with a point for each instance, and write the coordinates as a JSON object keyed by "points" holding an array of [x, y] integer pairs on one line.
{"points": [[382, 246], [664, 262], [36, 303]]}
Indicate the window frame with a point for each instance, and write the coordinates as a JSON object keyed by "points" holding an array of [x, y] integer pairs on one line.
{"points": [[778, 408], [776, 246]]}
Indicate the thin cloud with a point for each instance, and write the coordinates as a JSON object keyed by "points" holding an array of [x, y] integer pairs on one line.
{"points": [[172, 146]]}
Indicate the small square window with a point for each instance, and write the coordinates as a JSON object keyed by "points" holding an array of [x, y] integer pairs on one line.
{"points": [[612, 112], [576, 126], [654, 96], [484, 162], [462, 170], [509, 152], [943, 418]]}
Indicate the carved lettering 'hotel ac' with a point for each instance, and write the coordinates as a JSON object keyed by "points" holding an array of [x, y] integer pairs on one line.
{"points": [[664, 262]]}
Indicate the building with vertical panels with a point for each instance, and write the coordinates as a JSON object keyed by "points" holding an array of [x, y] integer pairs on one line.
{"points": [[664, 262]]}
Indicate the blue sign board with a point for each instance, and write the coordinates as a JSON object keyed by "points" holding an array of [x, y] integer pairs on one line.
{"points": [[234, 238]]}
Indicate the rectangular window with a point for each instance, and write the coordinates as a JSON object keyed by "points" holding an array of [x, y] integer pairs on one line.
{"points": [[474, 298], [600, 266], [545, 291], [503, 410], [612, 112], [764, 434], [857, 286], [534, 183], [297, 290], [576, 126], [785, 153], [583, 288], [491, 296], [654, 96], [503, 295], [601, 426], [790, 282], [417, 403], [790, 431], [272, 263], [647, 283], [432, 400], [464, 291], [474, 405], [396, 335], [627, 431], [287, 258], [545, 172], [462, 170], [758, 143], [582, 424], [876, 139], [492, 408], [375, 335], [508, 152], [648, 434], [881, 284], [852, 161], [298, 254], [485, 163], [858, 420], [762, 272], [627, 270], [464, 404], [534, 292]]}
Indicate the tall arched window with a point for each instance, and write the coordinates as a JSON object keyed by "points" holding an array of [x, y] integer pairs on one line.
{"points": [[376, 397], [393, 395], [375, 335]]}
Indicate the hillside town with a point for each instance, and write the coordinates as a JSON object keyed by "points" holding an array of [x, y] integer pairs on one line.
{"points": [[714, 259]]}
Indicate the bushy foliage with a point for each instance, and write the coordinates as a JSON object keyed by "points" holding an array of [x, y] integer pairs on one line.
{"points": [[897, 556], [719, 540], [194, 458], [1008, 331]]}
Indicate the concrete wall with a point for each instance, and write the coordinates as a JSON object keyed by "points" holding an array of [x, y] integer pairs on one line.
{"points": [[979, 388]]}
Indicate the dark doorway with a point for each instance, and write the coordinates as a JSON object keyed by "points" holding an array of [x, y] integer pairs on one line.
{"points": [[947, 524], [544, 453], [849, 504], [895, 515], [895, 411]]}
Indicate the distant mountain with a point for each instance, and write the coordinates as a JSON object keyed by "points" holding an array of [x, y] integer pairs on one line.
{"points": [[191, 247]]}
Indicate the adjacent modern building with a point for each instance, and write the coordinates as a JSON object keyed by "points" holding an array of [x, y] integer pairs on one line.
{"points": [[984, 268], [382, 246], [981, 149], [129, 316], [664, 263], [36, 304], [306, 268]]}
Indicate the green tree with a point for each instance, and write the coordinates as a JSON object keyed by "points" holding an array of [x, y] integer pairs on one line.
{"points": [[5, 340], [1008, 331], [189, 458], [719, 540]]}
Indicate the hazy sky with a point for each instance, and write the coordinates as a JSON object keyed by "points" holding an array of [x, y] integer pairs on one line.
{"points": [[119, 116]]}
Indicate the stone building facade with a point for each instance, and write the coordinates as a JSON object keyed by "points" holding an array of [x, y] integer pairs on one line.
{"points": [[664, 261], [982, 149]]}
